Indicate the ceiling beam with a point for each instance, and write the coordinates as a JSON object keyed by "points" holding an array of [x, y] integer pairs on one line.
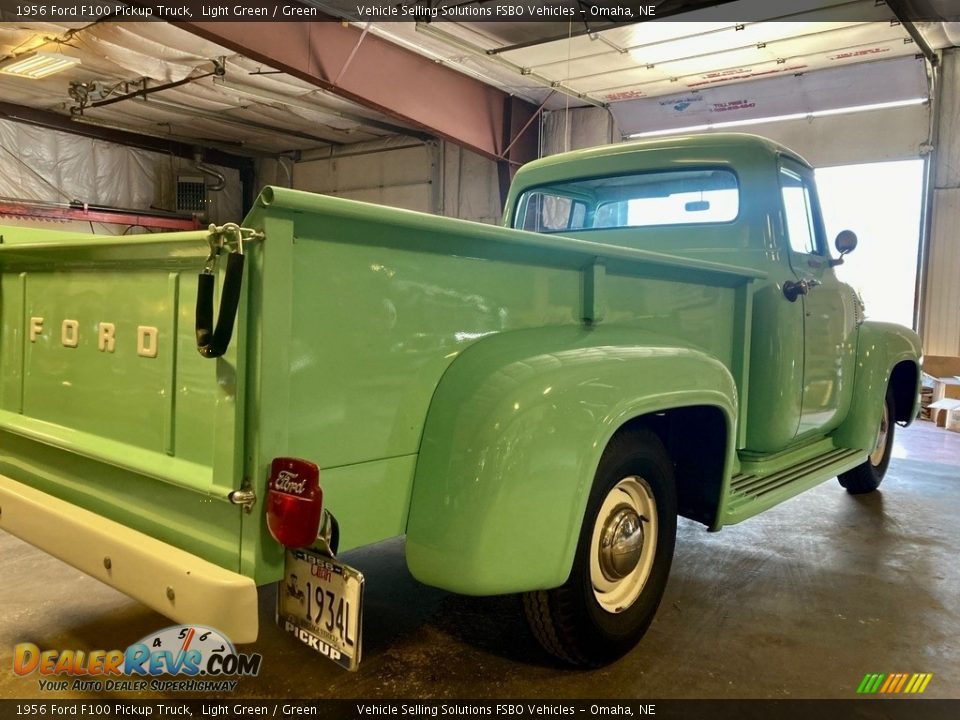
{"points": [[904, 10], [304, 102], [385, 77]]}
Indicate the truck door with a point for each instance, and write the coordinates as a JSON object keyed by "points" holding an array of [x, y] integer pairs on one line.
{"points": [[829, 323]]}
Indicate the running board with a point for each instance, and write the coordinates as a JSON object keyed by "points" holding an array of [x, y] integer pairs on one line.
{"points": [[754, 493]]}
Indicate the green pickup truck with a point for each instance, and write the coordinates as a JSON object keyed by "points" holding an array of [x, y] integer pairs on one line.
{"points": [[657, 330]]}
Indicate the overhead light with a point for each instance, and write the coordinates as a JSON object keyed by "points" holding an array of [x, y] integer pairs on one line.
{"points": [[35, 65], [780, 118]]}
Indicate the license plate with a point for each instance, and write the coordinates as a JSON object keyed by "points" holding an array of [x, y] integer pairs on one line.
{"points": [[320, 602]]}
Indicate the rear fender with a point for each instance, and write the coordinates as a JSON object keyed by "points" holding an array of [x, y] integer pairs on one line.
{"points": [[513, 438], [880, 348]]}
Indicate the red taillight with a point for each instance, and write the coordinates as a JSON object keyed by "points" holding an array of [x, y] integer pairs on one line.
{"points": [[294, 502]]}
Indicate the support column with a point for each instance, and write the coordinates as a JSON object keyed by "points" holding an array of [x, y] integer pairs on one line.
{"points": [[940, 326]]}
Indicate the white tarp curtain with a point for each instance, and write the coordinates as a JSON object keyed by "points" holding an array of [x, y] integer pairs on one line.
{"points": [[53, 166]]}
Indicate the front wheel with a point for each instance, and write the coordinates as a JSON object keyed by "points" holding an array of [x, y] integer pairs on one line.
{"points": [[622, 561], [867, 477]]}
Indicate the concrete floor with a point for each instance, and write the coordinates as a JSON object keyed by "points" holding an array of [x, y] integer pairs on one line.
{"points": [[799, 602]]}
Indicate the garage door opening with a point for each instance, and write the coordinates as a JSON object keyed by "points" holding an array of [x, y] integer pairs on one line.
{"points": [[881, 202]]}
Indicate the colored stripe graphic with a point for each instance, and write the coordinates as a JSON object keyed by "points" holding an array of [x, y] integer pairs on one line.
{"points": [[870, 683], [918, 683], [903, 680], [912, 684]]}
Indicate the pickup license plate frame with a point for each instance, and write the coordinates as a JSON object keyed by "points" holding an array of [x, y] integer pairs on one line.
{"points": [[334, 630]]}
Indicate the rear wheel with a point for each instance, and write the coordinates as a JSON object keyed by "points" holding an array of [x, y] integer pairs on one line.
{"points": [[867, 477], [622, 561]]}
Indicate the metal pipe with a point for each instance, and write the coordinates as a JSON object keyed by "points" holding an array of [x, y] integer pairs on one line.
{"points": [[143, 92], [529, 122], [554, 38], [221, 181], [352, 55], [287, 170], [367, 188], [240, 155], [346, 151], [438, 175]]}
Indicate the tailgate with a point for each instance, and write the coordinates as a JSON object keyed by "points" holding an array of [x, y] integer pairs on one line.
{"points": [[105, 401]]}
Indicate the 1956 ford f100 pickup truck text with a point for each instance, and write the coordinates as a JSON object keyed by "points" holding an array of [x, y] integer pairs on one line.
{"points": [[657, 331]]}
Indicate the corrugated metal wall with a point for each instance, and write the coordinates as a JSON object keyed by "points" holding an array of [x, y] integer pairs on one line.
{"points": [[399, 174], [471, 190], [435, 177]]}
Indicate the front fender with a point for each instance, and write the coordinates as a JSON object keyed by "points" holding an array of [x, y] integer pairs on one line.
{"points": [[512, 441], [879, 348]]}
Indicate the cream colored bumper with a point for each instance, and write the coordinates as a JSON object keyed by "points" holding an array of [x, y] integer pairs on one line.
{"points": [[173, 582]]}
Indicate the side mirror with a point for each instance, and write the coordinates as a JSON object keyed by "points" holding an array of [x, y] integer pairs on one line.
{"points": [[845, 243]]}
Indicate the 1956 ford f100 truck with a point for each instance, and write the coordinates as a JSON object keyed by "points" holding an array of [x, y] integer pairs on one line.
{"points": [[656, 331]]}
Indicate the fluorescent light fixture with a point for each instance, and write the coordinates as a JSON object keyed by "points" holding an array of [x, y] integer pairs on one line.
{"points": [[781, 118], [35, 65]]}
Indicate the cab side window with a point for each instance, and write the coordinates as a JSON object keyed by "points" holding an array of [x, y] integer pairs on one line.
{"points": [[799, 213]]}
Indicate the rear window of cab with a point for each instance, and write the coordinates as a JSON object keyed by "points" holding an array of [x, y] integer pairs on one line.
{"points": [[648, 199]]}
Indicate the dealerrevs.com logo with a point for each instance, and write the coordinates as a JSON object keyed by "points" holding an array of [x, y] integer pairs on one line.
{"points": [[204, 655]]}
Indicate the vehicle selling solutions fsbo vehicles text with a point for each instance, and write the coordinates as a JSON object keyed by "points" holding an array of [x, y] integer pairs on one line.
{"points": [[504, 11]]}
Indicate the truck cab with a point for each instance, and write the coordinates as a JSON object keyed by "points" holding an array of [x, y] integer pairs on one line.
{"points": [[738, 199]]}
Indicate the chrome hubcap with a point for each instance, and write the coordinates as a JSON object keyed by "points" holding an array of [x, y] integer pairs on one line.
{"points": [[623, 544], [876, 457]]}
